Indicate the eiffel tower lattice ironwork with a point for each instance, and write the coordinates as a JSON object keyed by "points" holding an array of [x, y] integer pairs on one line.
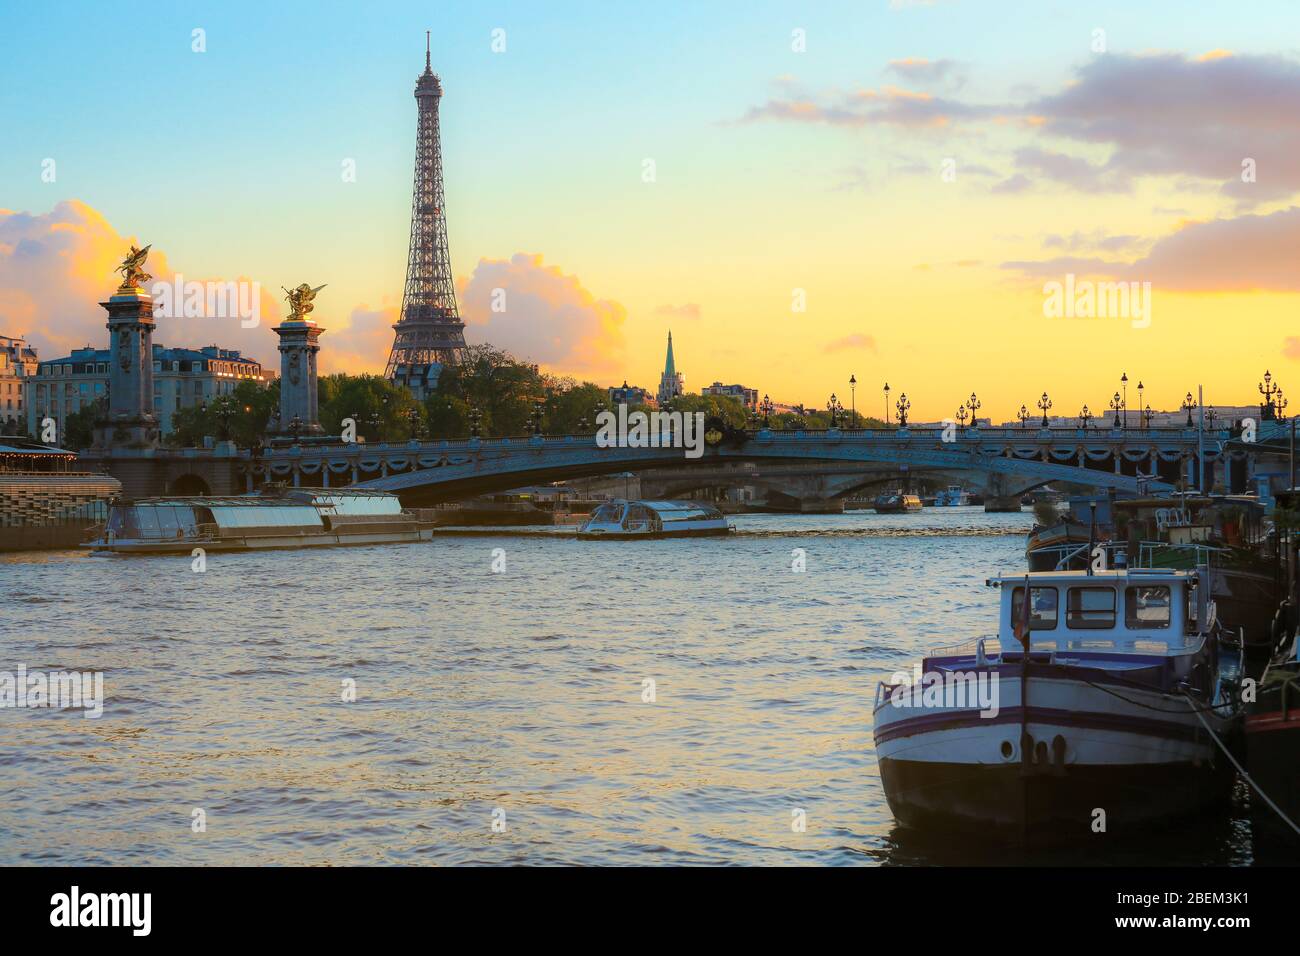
{"points": [[430, 333]]}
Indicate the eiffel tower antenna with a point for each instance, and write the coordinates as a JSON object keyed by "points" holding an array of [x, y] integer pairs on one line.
{"points": [[429, 332]]}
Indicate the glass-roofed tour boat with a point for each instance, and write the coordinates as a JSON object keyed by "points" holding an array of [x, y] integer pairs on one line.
{"points": [[653, 519], [1107, 722], [273, 518]]}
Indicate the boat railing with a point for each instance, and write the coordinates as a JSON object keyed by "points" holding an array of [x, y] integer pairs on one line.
{"points": [[639, 524], [967, 649]]}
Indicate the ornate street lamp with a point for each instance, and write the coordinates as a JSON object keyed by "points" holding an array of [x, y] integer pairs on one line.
{"points": [[1023, 415], [295, 426], [1116, 404], [475, 422], [961, 417], [537, 418], [1268, 390], [886, 403], [1044, 403], [1189, 403], [833, 406], [1279, 403], [766, 409], [1147, 415], [974, 405], [1085, 416], [1141, 406], [1123, 381], [903, 405], [853, 399]]}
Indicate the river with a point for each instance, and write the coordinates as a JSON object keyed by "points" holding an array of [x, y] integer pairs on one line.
{"points": [[501, 710]]}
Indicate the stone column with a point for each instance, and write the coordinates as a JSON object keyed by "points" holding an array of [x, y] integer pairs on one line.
{"points": [[298, 348], [131, 419]]}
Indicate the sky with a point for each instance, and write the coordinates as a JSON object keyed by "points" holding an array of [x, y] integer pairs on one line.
{"points": [[883, 189]]}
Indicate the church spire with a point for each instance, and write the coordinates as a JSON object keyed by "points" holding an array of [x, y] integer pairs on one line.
{"points": [[671, 383]]}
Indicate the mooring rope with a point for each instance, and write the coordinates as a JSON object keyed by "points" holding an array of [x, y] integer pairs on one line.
{"points": [[1240, 769]]}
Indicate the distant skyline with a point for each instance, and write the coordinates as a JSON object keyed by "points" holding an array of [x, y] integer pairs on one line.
{"points": [[879, 190]]}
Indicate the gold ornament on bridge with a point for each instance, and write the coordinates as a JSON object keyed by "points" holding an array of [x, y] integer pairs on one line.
{"points": [[300, 301], [132, 269]]}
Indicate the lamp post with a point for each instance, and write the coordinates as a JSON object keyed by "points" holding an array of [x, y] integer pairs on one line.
{"points": [[1116, 404], [834, 407], [1044, 403], [1147, 415], [961, 417], [1268, 390], [1140, 404], [1023, 415], [903, 405], [475, 422], [853, 399], [1123, 381], [766, 409], [1085, 416], [1279, 403], [886, 403], [1189, 404], [974, 405]]}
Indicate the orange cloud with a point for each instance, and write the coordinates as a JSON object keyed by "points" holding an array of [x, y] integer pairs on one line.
{"points": [[540, 314], [55, 269]]}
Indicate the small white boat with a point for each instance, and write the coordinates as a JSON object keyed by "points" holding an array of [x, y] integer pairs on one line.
{"points": [[276, 518], [1103, 726], [952, 497], [654, 519]]}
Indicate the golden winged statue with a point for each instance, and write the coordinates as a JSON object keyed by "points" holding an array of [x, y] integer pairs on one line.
{"points": [[132, 269], [300, 300]]}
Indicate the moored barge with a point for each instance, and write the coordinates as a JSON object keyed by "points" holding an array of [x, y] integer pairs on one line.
{"points": [[279, 518]]}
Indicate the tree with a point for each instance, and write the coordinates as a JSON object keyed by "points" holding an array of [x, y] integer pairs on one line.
{"points": [[79, 427], [380, 409]]}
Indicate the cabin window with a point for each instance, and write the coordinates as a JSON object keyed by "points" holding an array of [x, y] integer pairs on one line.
{"points": [[1146, 607], [1042, 608], [1090, 608], [607, 513]]}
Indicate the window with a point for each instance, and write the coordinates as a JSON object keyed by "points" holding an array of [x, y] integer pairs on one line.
{"points": [[1042, 608], [1090, 608], [1146, 607]]}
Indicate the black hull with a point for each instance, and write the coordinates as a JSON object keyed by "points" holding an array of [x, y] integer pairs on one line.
{"points": [[1042, 806], [1273, 762]]}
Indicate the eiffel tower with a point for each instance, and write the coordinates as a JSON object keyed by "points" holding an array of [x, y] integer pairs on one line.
{"points": [[430, 333]]}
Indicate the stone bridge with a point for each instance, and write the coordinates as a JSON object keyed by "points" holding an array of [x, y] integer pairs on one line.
{"points": [[1002, 462]]}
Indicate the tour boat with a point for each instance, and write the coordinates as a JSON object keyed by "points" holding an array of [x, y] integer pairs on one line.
{"points": [[1108, 725], [653, 519], [896, 503], [951, 497], [277, 518]]}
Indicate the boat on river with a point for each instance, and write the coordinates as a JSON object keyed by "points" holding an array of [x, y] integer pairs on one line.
{"points": [[275, 518], [892, 502], [654, 519], [952, 497], [1272, 735], [1094, 709]]}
